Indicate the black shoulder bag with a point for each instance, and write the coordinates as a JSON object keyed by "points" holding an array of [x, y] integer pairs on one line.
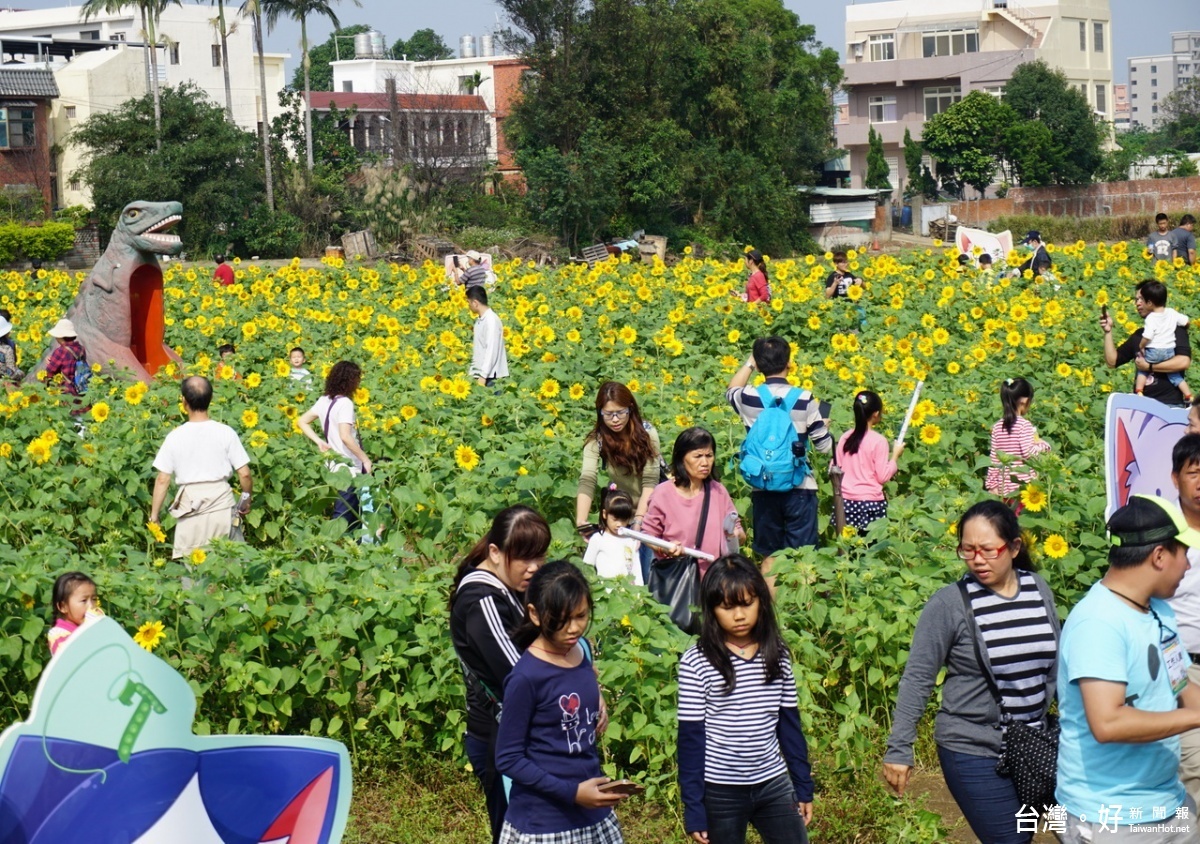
{"points": [[1028, 754], [675, 581]]}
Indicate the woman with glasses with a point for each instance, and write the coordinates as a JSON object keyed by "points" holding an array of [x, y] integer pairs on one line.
{"points": [[995, 631], [628, 450]]}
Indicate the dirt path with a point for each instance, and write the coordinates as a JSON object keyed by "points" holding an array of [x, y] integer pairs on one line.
{"points": [[938, 799]]}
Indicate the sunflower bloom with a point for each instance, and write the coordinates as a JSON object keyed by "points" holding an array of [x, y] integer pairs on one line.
{"points": [[156, 531], [100, 411], [1034, 498], [149, 635], [198, 556], [931, 434], [1055, 546], [466, 457]]}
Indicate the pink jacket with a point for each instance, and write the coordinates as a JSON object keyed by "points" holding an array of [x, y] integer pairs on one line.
{"points": [[867, 470], [675, 518]]}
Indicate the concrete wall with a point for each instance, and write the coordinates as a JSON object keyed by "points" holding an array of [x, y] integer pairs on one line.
{"points": [[1105, 199]]}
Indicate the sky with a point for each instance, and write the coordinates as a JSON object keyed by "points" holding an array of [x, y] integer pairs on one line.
{"points": [[1139, 28]]}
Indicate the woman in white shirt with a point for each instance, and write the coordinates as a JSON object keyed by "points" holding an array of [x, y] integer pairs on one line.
{"points": [[335, 410]]}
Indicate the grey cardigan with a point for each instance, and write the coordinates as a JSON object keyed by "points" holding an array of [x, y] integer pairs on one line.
{"points": [[969, 719]]}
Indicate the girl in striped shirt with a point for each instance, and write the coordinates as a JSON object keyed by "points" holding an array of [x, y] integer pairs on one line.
{"points": [[742, 754], [1014, 440]]}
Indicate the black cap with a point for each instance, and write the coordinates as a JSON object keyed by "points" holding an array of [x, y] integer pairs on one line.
{"points": [[1149, 520]]}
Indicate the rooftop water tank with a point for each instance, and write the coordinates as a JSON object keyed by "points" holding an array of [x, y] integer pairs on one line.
{"points": [[466, 47], [487, 45], [378, 48]]}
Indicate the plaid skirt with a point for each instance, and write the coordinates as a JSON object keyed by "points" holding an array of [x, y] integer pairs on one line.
{"points": [[607, 831]]}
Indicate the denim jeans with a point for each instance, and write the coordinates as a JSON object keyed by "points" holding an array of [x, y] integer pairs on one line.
{"points": [[988, 801], [784, 520], [770, 806], [483, 762], [646, 559]]}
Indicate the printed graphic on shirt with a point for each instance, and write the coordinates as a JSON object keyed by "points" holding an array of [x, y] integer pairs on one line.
{"points": [[579, 726]]}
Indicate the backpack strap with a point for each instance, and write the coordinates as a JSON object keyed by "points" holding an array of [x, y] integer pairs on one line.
{"points": [[329, 413], [793, 396], [767, 397], [984, 667]]}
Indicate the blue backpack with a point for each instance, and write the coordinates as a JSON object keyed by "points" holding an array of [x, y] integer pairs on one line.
{"points": [[83, 373], [772, 456]]}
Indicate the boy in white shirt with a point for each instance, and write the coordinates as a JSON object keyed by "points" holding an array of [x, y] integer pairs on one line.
{"points": [[489, 360], [1158, 336]]}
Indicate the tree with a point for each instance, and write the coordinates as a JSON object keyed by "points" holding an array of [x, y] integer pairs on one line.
{"points": [[711, 112], [1181, 113], [321, 57], [967, 139], [1037, 93], [424, 46], [151, 13], [223, 33], [300, 10], [205, 161], [877, 166], [254, 7], [920, 180]]}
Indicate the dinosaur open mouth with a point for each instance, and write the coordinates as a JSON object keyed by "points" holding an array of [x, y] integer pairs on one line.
{"points": [[157, 232]]}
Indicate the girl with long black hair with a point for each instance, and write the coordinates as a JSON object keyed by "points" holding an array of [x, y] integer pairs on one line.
{"points": [[862, 453]]}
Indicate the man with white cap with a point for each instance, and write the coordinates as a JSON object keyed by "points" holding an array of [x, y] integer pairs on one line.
{"points": [[8, 352], [66, 358], [1123, 691], [475, 274]]}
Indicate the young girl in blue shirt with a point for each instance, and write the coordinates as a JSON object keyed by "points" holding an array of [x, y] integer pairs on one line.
{"points": [[548, 728], [742, 754]]}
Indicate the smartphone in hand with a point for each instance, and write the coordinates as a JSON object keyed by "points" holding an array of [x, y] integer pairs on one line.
{"points": [[627, 788]]}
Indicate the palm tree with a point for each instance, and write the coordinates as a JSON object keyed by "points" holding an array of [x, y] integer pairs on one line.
{"points": [[223, 30], [254, 7], [151, 12], [300, 10]]}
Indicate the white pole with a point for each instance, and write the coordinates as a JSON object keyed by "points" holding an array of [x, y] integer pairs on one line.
{"points": [[912, 407]]}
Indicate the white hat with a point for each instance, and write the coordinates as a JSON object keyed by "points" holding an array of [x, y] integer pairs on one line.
{"points": [[5, 326], [474, 256], [63, 328]]}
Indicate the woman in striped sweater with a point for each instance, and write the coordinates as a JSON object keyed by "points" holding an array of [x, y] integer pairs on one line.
{"points": [[1014, 440], [742, 755], [996, 628]]}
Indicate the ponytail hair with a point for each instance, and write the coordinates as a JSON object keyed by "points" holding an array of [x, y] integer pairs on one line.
{"points": [[755, 257], [1012, 391], [866, 405], [519, 532], [615, 502]]}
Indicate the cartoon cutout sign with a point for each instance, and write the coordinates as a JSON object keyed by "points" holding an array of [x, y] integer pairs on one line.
{"points": [[1139, 434], [108, 755], [996, 245]]}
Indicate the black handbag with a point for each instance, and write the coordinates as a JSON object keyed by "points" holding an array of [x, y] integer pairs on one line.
{"points": [[1028, 754], [675, 581]]}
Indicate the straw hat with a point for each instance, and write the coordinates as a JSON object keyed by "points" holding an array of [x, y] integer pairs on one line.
{"points": [[62, 329]]}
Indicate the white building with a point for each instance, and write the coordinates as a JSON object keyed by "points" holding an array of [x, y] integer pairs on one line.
{"points": [[907, 60], [1154, 78], [493, 79], [189, 51]]}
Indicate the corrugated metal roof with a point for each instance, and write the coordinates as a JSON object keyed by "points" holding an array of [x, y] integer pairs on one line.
{"points": [[27, 83], [826, 212], [844, 193]]}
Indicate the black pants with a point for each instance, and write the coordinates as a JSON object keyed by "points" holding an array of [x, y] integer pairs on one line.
{"points": [[483, 760]]}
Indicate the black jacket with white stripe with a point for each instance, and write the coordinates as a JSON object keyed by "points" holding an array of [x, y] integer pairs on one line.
{"points": [[485, 614]]}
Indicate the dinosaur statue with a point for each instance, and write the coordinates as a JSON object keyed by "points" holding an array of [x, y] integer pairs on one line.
{"points": [[118, 311]]}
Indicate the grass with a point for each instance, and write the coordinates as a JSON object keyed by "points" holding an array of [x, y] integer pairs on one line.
{"points": [[433, 802]]}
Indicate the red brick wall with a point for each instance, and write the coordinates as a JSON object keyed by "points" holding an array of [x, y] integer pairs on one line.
{"points": [[30, 166], [1104, 199], [506, 77]]}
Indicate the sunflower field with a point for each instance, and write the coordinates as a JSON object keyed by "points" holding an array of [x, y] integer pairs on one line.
{"points": [[302, 629]]}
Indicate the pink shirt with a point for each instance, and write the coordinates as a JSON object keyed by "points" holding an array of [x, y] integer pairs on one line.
{"points": [[867, 470], [59, 633], [675, 518], [1015, 445], [757, 289]]}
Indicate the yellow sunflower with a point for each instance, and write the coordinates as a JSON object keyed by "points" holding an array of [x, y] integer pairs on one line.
{"points": [[407, 412], [100, 411], [931, 434], [156, 531], [149, 635], [249, 418], [1055, 546], [466, 457], [549, 389], [198, 556], [1034, 498]]}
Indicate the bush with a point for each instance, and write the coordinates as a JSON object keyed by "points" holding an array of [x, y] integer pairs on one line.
{"points": [[1072, 229], [46, 242], [267, 234]]}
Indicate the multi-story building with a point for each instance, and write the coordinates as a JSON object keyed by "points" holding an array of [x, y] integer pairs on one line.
{"points": [[451, 107], [1153, 78], [907, 60], [98, 81], [1121, 112]]}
